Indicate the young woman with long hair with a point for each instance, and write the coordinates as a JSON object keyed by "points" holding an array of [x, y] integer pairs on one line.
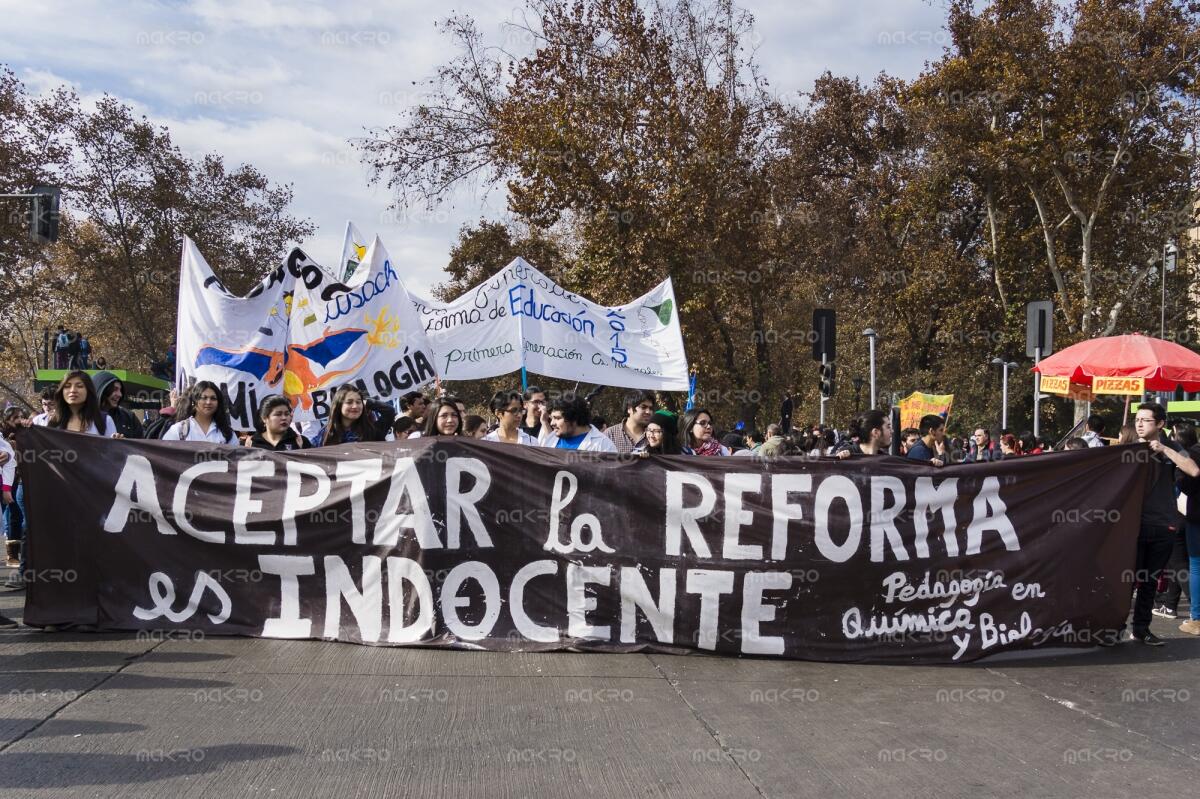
{"points": [[352, 420], [699, 436], [77, 407], [442, 418], [203, 417]]}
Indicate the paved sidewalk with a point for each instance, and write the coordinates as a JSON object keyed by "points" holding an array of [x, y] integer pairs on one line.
{"points": [[118, 715]]}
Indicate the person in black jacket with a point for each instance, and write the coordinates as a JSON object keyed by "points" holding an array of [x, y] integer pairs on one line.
{"points": [[1160, 514], [277, 435], [354, 418], [111, 390]]}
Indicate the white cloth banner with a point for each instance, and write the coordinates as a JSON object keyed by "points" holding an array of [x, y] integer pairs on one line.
{"points": [[522, 317], [365, 331], [239, 343], [299, 333]]}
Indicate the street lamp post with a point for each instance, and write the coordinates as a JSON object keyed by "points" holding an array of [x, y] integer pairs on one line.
{"points": [[1004, 366], [871, 336], [1170, 253]]}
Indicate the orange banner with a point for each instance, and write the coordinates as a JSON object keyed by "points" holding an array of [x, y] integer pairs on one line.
{"points": [[1133, 386]]}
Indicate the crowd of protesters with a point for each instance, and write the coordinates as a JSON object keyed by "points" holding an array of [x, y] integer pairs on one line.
{"points": [[1170, 523]]}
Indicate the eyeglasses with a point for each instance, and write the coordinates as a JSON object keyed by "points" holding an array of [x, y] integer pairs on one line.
{"points": [[208, 398], [704, 422]]}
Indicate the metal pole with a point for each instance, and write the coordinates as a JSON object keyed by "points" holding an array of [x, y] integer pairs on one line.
{"points": [[1162, 325], [871, 339], [1037, 392], [823, 397], [1004, 395]]}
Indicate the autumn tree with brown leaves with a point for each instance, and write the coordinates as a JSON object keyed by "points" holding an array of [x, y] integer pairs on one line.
{"points": [[129, 196], [1048, 154]]}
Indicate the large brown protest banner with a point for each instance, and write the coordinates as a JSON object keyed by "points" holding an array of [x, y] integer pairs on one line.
{"points": [[475, 545]]}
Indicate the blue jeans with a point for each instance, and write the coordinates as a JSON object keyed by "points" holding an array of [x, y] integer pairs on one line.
{"points": [[19, 496], [14, 520], [1193, 550]]}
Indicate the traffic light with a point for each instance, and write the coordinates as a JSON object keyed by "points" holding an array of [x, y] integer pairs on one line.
{"points": [[828, 372], [824, 335], [43, 222]]}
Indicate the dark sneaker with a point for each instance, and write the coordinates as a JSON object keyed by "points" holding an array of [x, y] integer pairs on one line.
{"points": [[5, 621], [1148, 638], [1164, 612]]}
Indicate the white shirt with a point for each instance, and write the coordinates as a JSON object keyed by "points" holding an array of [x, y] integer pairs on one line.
{"points": [[1092, 438], [194, 433], [41, 420], [522, 438], [110, 429], [8, 472]]}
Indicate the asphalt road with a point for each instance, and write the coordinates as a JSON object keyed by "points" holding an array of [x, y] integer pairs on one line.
{"points": [[121, 715]]}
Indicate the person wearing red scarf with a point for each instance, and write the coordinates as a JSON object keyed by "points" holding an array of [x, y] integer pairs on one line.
{"points": [[698, 434]]}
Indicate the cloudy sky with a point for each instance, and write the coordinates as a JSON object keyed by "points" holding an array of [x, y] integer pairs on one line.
{"points": [[285, 84]]}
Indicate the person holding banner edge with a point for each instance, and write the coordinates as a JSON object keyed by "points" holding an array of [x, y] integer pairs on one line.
{"points": [[1190, 487], [77, 407], [1159, 515]]}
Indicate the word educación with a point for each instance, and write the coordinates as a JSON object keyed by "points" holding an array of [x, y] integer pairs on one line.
{"points": [[847, 519]]}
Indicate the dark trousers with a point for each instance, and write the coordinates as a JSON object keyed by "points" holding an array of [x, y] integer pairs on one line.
{"points": [[1177, 571], [1153, 551]]}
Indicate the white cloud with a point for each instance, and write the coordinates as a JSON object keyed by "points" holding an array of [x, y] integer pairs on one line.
{"points": [[285, 85]]}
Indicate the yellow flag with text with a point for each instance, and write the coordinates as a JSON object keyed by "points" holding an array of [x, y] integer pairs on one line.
{"points": [[918, 404]]}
